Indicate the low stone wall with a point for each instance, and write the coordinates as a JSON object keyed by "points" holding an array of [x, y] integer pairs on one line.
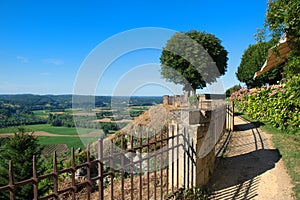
{"points": [[176, 100], [197, 133], [205, 101]]}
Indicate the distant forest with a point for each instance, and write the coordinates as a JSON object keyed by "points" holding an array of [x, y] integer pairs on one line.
{"points": [[20, 109]]}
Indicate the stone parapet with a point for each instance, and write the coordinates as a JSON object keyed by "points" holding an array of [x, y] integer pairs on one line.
{"points": [[197, 132]]}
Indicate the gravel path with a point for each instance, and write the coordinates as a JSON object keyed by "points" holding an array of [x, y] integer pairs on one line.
{"points": [[251, 168]]}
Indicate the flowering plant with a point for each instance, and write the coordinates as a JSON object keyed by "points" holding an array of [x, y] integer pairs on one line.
{"points": [[278, 105]]}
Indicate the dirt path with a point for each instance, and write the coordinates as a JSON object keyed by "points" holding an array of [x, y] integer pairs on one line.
{"points": [[251, 168]]}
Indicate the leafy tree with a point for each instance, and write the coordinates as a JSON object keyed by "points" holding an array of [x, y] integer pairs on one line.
{"points": [[283, 17], [14, 116], [293, 65], [232, 90], [252, 61], [185, 59], [135, 113], [61, 120], [107, 126], [20, 149]]}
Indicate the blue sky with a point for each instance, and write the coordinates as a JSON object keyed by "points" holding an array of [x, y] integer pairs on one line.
{"points": [[44, 43]]}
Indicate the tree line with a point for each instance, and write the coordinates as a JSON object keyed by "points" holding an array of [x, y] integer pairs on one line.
{"points": [[16, 110], [282, 19], [16, 116], [67, 120]]}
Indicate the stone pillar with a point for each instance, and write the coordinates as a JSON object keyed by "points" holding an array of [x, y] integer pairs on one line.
{"points": [[177, 102], [186, 98], [166, 100], [196, 155], [230, 116]]}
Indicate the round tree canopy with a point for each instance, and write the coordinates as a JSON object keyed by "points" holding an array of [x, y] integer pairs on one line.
{"points": [[193, 59]]}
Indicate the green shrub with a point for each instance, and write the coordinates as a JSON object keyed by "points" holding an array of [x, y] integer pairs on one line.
{"points": [[278, 105], [189, 194], [19, 149]]}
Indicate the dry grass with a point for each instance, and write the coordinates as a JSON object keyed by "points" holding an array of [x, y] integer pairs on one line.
{"points": [[155, 188]]}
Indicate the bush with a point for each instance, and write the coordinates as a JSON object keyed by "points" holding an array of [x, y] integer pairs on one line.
{"points": [[20, 150], [189, 194], [135, 113], [278, 105]]}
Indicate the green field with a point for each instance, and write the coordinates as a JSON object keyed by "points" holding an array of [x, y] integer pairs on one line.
{"points": [[69, 141], [75, 142], [41, 113], [50, 129]]}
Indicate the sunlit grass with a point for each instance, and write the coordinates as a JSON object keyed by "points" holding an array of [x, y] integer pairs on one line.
{"points": [[75, 142], [69, 141]]}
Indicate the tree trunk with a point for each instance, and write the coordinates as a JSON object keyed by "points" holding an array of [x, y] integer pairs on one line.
{"points": [[193, 91], [186, 96], [187, 93]]}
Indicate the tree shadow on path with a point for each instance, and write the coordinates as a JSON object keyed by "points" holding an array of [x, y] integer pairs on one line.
{"points": [[237, 176], [247, 126]]}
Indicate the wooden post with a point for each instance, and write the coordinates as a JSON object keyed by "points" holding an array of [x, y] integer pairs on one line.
{"points": [[73, 172], [88, 172], [232, 116], [55, 186], [11, 181], [35, 178], [100, 169]]}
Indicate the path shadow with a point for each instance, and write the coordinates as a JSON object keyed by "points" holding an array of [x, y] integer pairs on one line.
{"points": [[237, 177], [238, 169], [247, 126], [242, 172], [237, 113]]}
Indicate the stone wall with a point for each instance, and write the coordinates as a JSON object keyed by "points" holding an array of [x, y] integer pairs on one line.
{"points": [[205, 101], [197, 132], [176, 100]]}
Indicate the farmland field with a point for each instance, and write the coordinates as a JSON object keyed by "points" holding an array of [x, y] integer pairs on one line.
{"points": [[50, 129], [41, 113], [69, 141], [51, 117]]}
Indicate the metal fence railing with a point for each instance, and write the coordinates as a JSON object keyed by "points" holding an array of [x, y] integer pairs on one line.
{"points": [[126, 167]]}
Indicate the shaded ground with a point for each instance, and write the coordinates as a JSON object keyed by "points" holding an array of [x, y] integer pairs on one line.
{"points": [[251, 168]]}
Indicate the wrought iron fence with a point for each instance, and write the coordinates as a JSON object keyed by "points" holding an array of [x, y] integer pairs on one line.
{"points": [[127, 167]]}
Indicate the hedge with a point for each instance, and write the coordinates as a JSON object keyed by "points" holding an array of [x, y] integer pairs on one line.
{"points": [[278, 105]]}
